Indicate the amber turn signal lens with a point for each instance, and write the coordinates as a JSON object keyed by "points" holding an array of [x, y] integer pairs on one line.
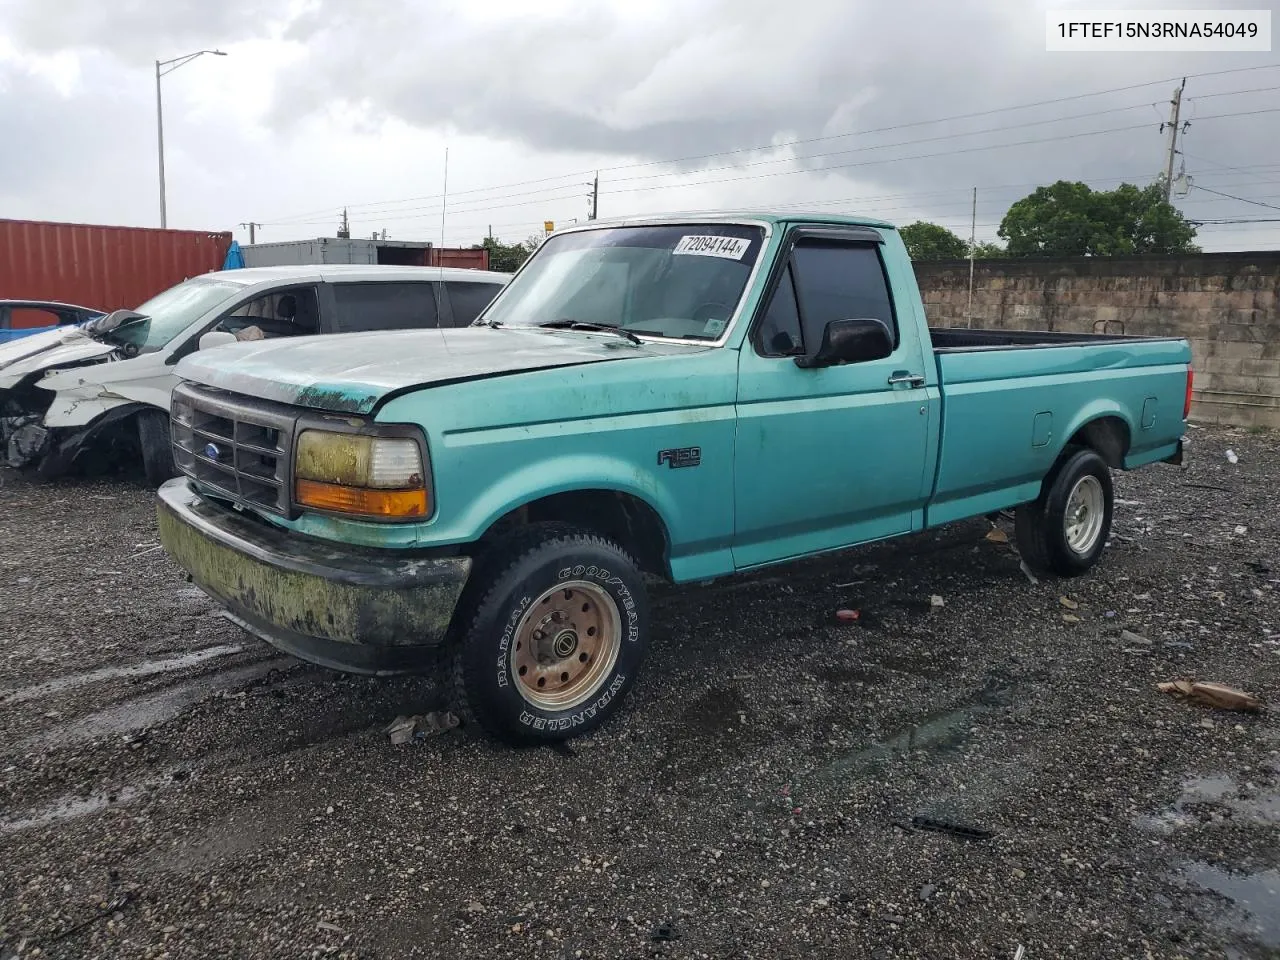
{"points": [[361, 500]]}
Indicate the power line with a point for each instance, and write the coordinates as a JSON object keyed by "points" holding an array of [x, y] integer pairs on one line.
{"points": [[901, 143], [801, 141], [1230, 196]]}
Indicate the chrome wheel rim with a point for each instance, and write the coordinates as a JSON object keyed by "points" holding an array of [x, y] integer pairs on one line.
{"points": [[1086, 508], [566, 645]]}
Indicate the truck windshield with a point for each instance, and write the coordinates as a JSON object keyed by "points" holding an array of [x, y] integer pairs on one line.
{"points": [[681, 281], [168, 313]]}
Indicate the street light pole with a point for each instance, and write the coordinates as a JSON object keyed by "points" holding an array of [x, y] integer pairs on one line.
{"points": [[164, 67], [164, 222]]}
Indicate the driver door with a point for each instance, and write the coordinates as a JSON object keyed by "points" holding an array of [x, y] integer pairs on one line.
{"points": [[832, 456]]}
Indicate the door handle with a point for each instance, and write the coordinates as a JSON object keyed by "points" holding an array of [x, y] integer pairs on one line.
{"points": [[915, 379]]}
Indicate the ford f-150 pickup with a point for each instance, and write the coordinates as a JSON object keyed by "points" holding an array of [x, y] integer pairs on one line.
{"points": [[682, 398]]}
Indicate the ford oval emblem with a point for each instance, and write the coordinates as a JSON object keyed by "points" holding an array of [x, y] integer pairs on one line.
{"points": [[211, 451]]}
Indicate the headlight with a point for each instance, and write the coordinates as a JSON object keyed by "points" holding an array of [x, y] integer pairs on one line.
{"points": [[360, 474]]}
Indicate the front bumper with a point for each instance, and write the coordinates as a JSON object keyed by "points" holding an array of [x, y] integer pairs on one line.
{"points": [[346, 608]]}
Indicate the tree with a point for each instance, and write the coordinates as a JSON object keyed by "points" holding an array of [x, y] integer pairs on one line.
{"points": [[504, 257], [1071, 220], [985, 250], [930, 241]]}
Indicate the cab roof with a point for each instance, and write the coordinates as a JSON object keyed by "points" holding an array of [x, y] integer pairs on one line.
{"points": [[349, 272], [765, 216]]}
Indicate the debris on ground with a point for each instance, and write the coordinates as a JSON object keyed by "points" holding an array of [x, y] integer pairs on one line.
{"points": [[1241, 531], [848, 616], [962, 830], [1210, 694], [665, 933], [936, 601], [1134, 639], [996, 535], [1022, 565], [420, 726], [1231, 457], [1069, 603], [1070, 618]]}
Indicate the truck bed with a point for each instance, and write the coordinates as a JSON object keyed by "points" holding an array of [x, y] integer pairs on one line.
{"points": [[961, 339], [1011, 400]]}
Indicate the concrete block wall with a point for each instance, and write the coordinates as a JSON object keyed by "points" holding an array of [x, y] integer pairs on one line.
{"points": [[1226, 304]]}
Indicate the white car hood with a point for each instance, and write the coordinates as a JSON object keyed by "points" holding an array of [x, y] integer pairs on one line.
{"points": [[47, 351]]}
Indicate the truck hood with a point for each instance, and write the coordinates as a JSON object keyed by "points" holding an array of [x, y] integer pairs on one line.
{"points": [[47, 351], [352, 373]]}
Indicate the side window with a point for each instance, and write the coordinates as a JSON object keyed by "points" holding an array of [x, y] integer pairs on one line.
{"points": [[468, 299], [291, 312], [840, 281], [32, 318], [384, 306], [779, 331]]}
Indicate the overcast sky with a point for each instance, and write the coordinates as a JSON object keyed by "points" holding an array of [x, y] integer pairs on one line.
{"points": [[326, 103]]}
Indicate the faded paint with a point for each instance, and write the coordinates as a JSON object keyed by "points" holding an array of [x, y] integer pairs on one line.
{"points": [[354, 372], [110, 267], [311, 605]]}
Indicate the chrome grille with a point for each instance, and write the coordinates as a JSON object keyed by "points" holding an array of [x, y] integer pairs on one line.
{"points": [[234, 445]]}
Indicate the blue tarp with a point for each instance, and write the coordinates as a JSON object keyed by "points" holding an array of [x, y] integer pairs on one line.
{"points": [[235, 259]]}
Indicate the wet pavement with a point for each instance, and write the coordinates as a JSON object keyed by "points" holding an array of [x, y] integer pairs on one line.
{"points": [[926, 781]]}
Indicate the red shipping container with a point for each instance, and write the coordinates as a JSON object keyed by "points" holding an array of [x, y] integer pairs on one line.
{"points": [[463, 257], [110, 268]]}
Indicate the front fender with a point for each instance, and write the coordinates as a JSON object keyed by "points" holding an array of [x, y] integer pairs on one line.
{"points": [[471, 512], [573, 472]]}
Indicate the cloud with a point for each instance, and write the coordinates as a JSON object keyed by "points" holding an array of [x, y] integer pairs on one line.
{"points": [[138, 31], [567, 85]]}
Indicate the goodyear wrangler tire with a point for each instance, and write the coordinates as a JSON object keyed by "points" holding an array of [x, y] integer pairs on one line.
{"points": [[555, 631]]}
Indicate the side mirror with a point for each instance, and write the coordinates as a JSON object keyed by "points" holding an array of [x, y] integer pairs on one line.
{"points": [[850, 341], [216, 338]]}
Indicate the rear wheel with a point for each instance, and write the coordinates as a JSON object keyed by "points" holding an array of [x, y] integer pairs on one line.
{"points": [[157, 452], [555, 625], [1066, 529]]}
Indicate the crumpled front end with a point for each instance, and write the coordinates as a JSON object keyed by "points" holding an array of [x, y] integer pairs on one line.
{"points": [[24, 439]]}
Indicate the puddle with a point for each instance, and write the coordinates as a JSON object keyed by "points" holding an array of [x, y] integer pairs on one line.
{"points": [[152, 709], [1211, 799], [1255, 898], [939, 732], [147, 668], [72, 807]]}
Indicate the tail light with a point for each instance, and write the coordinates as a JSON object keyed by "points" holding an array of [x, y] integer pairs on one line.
{"points": [[1186, 406]]}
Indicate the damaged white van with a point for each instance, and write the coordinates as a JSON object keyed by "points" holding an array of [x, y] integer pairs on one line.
{"points": [[90, 396]]}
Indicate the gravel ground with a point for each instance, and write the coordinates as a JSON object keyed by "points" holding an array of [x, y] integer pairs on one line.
{"points": [[170, 787]]}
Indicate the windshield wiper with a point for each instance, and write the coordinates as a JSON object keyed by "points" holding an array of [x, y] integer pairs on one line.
{"points": [[593, 327]]}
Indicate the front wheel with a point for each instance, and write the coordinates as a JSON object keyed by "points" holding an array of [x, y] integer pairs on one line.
{"points": [[554, 633], [1066, 529], [157, 453]]}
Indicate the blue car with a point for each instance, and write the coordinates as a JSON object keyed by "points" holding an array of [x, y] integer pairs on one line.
{"points": [[22, 318]]}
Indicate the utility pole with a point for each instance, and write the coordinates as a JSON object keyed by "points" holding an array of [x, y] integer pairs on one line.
{"points": [[252, 234], [973, 248], [163, 68], [595, 196], [344, 231], [1175, 107]]}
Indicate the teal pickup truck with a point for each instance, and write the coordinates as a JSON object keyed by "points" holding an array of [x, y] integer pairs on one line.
{"points": [[680, 398]]}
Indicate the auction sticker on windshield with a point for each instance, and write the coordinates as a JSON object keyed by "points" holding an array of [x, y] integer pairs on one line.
{"points": [[730, 248]]}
